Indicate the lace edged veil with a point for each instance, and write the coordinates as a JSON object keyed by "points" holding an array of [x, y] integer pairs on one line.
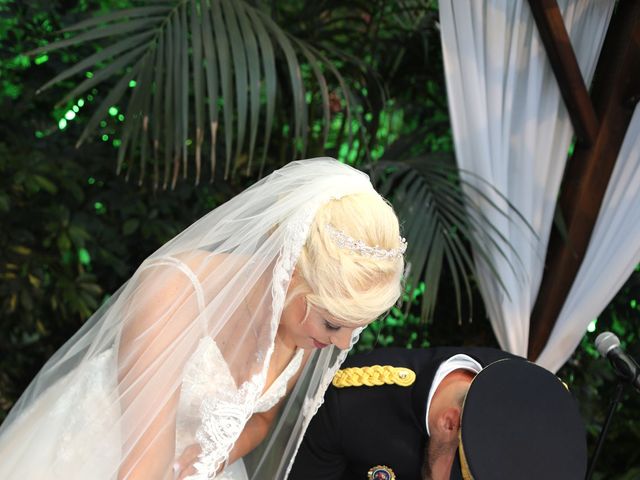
{"points": [[113, 398]]}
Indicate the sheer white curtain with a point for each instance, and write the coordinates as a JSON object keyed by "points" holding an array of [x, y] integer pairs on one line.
{"points": [[511, 130], [613, 253]]}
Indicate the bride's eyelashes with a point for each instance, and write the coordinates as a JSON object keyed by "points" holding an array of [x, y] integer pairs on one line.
{"points": [[330, 326]]}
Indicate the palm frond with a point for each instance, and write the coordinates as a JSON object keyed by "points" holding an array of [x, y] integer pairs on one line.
{"points": [[443, 225], [222, 55]]}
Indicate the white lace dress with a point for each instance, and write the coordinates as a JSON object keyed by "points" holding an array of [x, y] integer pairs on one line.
{"points": [[206, 407], [76, 413], [209, 405]]}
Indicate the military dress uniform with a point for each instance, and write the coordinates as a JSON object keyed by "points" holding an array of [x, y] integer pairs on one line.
{"points": [[377, 431]]}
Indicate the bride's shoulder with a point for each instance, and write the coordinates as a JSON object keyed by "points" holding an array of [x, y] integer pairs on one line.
{"points": [[198, 264], [203, 263]]}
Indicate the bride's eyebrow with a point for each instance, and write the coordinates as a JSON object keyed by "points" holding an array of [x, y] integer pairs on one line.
{"points": [[334, 322], [327, 317]]}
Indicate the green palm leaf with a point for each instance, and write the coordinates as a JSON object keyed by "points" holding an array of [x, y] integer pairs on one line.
{"points": [[222, 55], [442, 224]]}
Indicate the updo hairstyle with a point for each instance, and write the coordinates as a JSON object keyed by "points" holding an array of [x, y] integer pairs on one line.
{"points": [[352, 287]]}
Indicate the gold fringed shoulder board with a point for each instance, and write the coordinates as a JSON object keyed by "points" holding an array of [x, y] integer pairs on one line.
{"points": [[374, 375]]}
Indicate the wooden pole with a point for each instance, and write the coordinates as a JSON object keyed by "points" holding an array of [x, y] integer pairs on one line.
{"points": [[557, 44], [615, 92]]}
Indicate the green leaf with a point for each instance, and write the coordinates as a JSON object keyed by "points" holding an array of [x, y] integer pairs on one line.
{"points": [[211, 76], [237, 41], [45, 184], [169, 91], [253, 62], [198, 85], [130, 226], [297, 87], [145, 114], [157, 109], [63, 242], [224, 64], [177, 66], [115, 67], [271, 79], [109, 31], [346, 91], [112, 98], [5, 202], [218, 52], [324, 90], [98, 57], [78, 235], [118, 15], [184, 90], [134, 111], [441, 224]]}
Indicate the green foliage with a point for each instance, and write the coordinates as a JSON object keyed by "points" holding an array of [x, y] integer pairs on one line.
{"points": [[71, 230], [442, 224], [190, 54], [226, 55], [593, 382], [69, 238], [400, 327]]}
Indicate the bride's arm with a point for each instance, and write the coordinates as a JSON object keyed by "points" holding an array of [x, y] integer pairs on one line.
{"points": [[255, 430], [252, 435], [154, 345], [259, 424]]}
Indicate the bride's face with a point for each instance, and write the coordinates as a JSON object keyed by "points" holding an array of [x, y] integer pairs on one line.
{"points": [[318, 330]]}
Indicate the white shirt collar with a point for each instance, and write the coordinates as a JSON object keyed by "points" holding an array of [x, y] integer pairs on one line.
{"points": [[457, 362]]}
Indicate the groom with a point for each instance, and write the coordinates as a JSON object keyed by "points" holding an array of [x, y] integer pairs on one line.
{"points": [[443, 413]]}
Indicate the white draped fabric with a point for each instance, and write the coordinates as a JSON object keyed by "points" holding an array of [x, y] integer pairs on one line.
{"points": [[613, 253], [512, 130]]}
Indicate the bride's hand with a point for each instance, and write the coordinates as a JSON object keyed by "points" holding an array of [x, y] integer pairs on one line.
{"points": [[183, 466]]}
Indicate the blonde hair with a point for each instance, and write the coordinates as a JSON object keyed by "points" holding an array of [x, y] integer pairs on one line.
{"points": [[354, 288]]}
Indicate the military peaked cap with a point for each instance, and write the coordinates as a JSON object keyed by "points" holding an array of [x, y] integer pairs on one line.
{"points": [[519, 421]]}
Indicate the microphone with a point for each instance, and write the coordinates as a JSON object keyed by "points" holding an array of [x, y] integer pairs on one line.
{"points": [[627, 369]]}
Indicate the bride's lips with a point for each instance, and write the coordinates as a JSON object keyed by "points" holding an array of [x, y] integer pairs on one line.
{"points": [[317, 344]]}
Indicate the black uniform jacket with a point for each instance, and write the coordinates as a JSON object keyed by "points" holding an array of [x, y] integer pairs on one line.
{"points": [[358, 428]]}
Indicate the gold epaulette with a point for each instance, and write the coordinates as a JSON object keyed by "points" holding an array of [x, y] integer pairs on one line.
{"points": [[373, 376]]}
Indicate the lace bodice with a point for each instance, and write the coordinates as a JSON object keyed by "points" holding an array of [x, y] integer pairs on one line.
{"points": [[213, 409], [278, 388]]}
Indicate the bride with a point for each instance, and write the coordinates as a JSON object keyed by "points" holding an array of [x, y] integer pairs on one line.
{"points": [[211, 360]]}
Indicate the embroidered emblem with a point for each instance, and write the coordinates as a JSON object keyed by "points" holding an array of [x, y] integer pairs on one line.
{"points": [[381, 472]]}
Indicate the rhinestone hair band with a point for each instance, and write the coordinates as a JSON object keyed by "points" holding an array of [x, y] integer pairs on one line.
{"points": [[343, 240]]}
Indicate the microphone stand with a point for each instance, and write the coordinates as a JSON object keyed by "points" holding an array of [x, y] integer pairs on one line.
{"points": [[605, 428]]}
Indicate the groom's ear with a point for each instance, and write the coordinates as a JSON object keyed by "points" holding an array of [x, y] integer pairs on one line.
{"points": [[448, 423], [443, 444]]}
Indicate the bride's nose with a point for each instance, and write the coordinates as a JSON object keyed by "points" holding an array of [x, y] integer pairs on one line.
{"points": [[342, 338]]}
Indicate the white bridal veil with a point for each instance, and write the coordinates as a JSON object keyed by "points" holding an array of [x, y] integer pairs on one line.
{"points": [[217, 289]]}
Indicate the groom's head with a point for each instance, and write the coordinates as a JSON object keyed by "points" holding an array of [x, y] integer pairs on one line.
{"points": [[514, 419]]}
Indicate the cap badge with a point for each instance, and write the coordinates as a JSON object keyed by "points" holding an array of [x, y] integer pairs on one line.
{"points": [[381, 472]]}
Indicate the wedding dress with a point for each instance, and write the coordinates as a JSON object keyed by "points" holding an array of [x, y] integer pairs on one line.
{"points": [[206, 376], [106, 401]]}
